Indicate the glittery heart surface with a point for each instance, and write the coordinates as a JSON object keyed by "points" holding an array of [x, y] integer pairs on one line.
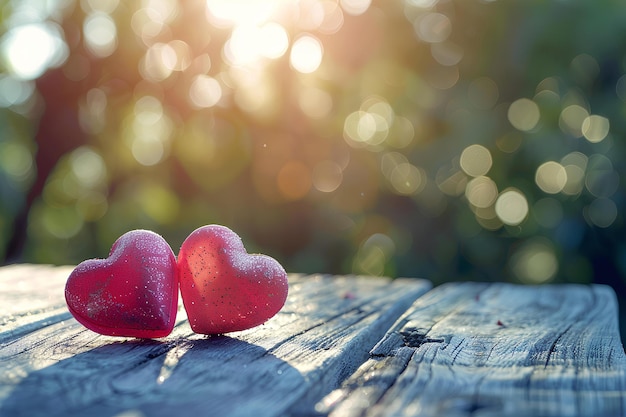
{"points": [[132, 293], [225, 289]]}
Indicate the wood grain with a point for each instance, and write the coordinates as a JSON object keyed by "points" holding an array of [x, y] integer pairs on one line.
{"points": [[32, 297], [341, 346], [496, 350], [52, 366]]}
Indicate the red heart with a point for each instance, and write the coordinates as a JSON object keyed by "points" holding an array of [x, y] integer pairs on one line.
{"points": [[133, 293], [225, 289]]}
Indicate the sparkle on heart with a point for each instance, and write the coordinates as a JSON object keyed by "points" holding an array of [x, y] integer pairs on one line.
{"points": [[132, 293], [225, 289]]}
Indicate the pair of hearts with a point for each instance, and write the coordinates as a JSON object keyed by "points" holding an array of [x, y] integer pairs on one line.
{"points": [[134, 292]]}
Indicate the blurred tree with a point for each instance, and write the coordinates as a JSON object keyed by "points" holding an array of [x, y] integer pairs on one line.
{"points": [[57, 134], [438, 138]]}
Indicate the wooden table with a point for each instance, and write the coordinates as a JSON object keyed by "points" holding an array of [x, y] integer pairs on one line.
{"points": [[342, 346]]}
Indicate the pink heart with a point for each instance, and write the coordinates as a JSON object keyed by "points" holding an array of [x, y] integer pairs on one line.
{"points": [[133, 293], [225, 289]]}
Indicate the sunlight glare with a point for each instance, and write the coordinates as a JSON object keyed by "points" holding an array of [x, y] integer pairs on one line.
{"points": [[233, 13], [29, 50], [274, 40], [248, 43]]}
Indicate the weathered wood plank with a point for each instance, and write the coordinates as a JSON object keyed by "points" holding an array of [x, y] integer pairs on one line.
{"points": [[498, 350], [31, 298], [321, 336]]}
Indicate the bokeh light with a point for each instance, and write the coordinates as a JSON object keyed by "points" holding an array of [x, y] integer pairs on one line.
{"points": [[248, 44], [240, 12], [446, 53], [476, 160], [100, 34], [205, 91], [355, 7], [403, 138], [575, 164], [306, 54], [602, 212], [524, 114], [511, 207], [551, 177], [481, 192], [88, 167], [595, 128], [601, 179], [29, 50], [14, 91], [373, 254], [327, 176], [17, 162], [407, 179], [433, 27], [572, 119], [535, 262]]}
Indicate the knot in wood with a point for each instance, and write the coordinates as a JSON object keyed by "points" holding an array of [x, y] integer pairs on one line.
{"points": [[412, 337]]}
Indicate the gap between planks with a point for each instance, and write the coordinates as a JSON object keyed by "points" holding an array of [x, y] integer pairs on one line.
{"points": [[460, 349], [497, 350]]}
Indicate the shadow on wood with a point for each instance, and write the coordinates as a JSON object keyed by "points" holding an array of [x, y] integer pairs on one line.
{"points": [[217, 375], [52, 366]]}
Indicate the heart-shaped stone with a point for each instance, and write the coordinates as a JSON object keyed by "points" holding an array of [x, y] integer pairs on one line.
{"points": [[225, 289], [132, 293]]}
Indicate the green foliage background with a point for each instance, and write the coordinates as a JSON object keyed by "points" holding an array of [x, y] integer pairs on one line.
{"points": [[274, 159]]}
